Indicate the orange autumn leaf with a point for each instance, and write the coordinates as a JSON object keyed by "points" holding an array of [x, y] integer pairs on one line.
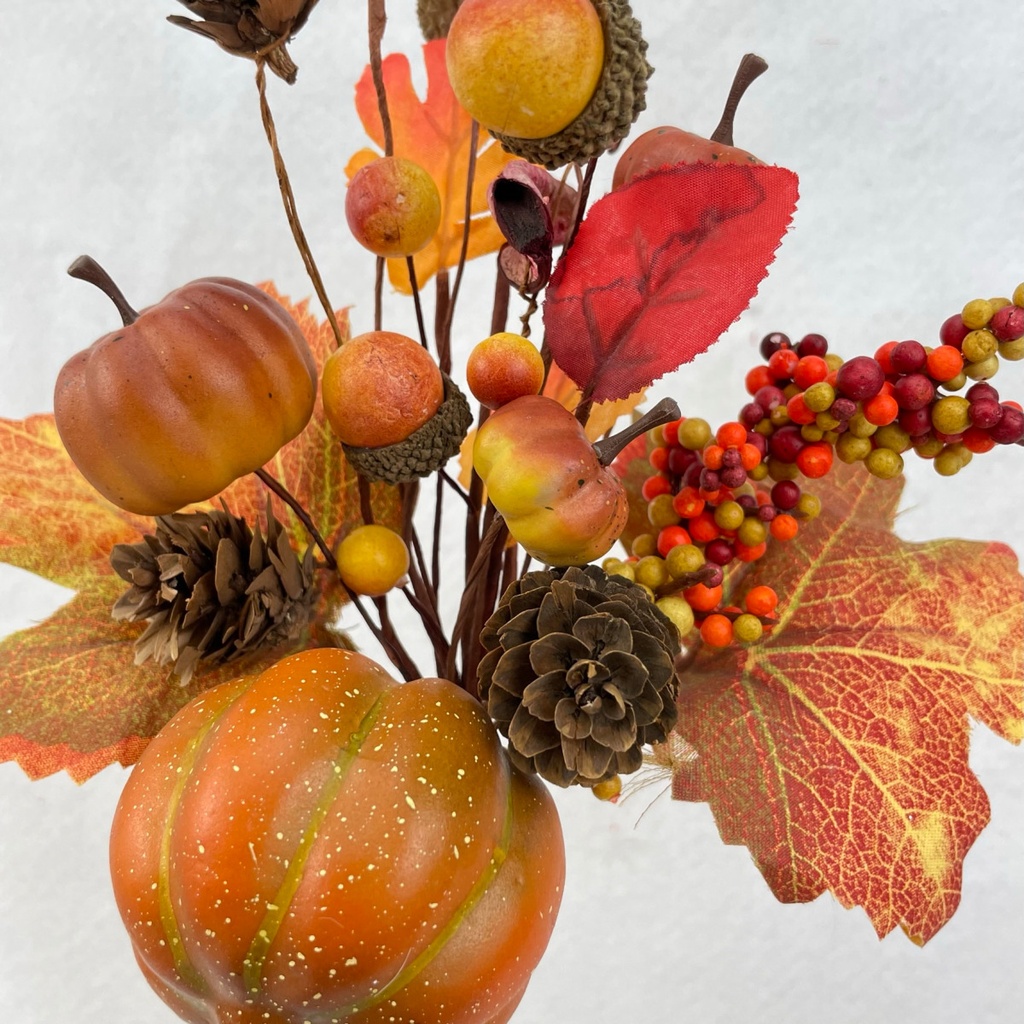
{"points": [[435, 132], [837, 748], [71, 697]]}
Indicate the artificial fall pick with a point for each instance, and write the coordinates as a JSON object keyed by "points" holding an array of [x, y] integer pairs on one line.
{"points": [[305, 837]]}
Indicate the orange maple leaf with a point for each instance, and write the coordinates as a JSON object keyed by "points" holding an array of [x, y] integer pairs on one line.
{"points": [[71, 695], [837, 748], [436, 133]]}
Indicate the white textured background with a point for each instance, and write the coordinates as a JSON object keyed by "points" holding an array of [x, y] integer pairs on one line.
{"points": [[141, 144]]}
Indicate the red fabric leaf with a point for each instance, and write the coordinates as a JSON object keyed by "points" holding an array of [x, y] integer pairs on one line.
{"points": [[660, 269]]}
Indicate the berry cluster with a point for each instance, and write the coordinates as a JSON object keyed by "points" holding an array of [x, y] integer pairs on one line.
{"points": [[716, 499]]}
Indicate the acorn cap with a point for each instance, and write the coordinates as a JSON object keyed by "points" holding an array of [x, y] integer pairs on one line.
{"points": [[619, 98], [425, 450], [435, 16]]}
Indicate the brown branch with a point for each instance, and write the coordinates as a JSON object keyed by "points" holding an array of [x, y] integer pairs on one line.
{"points": [[303, 516], [378, 19]]}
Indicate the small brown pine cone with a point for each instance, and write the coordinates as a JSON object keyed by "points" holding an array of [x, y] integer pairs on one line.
{"points": [[250, 28], [579, 674], [435, 16], [211, 589], [618, 100], [425, 450]]}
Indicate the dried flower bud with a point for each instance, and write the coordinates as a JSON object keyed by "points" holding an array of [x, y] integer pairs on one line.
{"points": [[257, 29]]}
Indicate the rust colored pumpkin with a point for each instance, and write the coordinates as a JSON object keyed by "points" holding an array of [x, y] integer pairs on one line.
{"points": [[190, 394], [322, 844]]}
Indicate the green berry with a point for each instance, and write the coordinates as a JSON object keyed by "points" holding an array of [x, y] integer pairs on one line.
{"points": [[979, 345], [678, 611], [860, 427], [684, 559], [928, 446], [850, 448], [951, 415], [1012, 350], [808, 506], [644, 544], [884, 463], [747, 628], [985, 370], [893, 437], [623, 569], [951, 460], [819, 397], [729, 515], [694, 433], [661, 513], [977, 313], [752, 532], [650, 572]]}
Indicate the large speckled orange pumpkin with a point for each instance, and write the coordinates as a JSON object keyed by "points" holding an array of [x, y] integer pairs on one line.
{"points": [[320, 843]]}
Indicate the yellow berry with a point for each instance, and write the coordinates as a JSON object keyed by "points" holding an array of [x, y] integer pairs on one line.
{"points": [[678, 611], [826, 421], [998, 303], [850, 448], [893, 437], [884, 463], [1012, 350], [782, 470], [661, 512], [833, 360], [644, 544], [979, 345], [950, 460], [650, 572], [779, 416], [747, 628], [684, 559], [957, 382], [752, 532], [607, 789], [977, 313], [984, 370], [860, 427], [372, 559], [759, 472], [929, 446], [808, 506], [694, 433], [1018, 295], [819, 397], [623, 569], [811, 432], [951, 415], [729, 515]]}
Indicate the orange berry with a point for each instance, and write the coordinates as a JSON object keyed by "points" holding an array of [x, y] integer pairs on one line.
{"points": [[750, 456], [944, 363], [977, 440], [703, 527], [659, 458], [784, 527], [746, 553], [713, 453], [796, 409], [655, 485], [761, 600], [688, 502], [882, 409], [703, 599], [670, 537], [758, 378], [731, 435], [670, 431], [810, 370], [814, 460], [782, 364], [882, 356], [716, 631]]}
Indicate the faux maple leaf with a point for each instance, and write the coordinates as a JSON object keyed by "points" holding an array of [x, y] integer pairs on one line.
{"points": [[437, 133], [660, 268], [71, 697], [837, 748]]}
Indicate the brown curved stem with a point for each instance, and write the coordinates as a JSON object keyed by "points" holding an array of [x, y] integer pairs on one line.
{"points": [[303, 516], [85, 268], [607, 448], [378, 18], [751, 67]]}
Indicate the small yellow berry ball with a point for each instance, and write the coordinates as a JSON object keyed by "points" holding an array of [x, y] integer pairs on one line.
{"points": [[678, 611], [372, 559], [884, 463], [977, 313]]}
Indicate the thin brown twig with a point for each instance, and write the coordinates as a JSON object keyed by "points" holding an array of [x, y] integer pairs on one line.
{"points": [[303, 516], [411, 266], [288, 198], [378, 18]]}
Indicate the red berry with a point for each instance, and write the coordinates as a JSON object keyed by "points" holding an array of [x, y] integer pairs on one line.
{"points": [[977, 440], [953, 331], [809, 370], [655, 485], [719, 551], [796, 409], [688, 503], [680, 460], [1010, 428], [756, 379], [812, 345], [771, 343], [815, 460], [785, 443], [751, 414], [783, 363], [985, 413], [785, 495], [981, 390], [908, 357], [914, 391], [769, 397], [1007, 324], [859, 378], [916, 422], [882, 356], [669, 537]]}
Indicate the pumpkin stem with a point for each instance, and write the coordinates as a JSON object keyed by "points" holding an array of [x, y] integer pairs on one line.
{"points": [[751, 67], [85, 268], [609, 447]]}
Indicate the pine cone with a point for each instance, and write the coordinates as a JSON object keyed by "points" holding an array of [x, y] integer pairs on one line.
{"points": [[212, 590], [250, 28], [435, 16], [579, 674]]}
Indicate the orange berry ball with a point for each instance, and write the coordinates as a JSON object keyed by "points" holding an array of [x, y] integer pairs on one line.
{"points": [[379, 387], [504, 367], [528, 68], [716, 631], [393, 207]]}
